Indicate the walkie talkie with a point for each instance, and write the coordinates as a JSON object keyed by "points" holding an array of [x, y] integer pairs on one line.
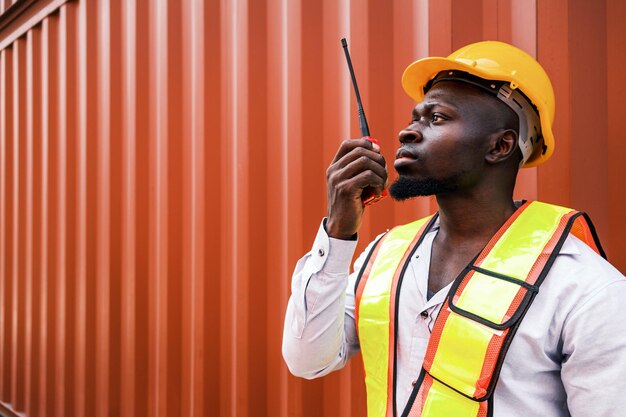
{"points": [[369, 196]]}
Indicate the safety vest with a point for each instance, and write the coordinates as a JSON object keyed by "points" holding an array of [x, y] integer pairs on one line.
{"points": [[478, 319]]}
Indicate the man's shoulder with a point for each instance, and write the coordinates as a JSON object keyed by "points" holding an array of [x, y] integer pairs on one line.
{"points": [[578, 272], [577, 257]]}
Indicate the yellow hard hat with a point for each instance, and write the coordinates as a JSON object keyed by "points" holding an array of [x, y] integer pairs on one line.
{"points": [[496, 61]]}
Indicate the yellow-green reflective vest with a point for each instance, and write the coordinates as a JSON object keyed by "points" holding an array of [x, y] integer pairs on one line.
{"points": [[478, 319]]}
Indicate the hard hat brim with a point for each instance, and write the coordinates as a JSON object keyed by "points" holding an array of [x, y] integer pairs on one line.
{"points": [[420, 72]]}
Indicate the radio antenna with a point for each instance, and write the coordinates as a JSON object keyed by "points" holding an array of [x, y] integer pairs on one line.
{"points": [[365, 130]]}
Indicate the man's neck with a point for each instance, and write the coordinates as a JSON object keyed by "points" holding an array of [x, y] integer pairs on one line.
{"points": [[472, 218]]}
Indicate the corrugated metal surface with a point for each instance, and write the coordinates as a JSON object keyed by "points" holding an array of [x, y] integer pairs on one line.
{"points": [[162, 168]]}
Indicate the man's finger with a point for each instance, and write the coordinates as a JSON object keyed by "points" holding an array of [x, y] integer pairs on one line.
{"points": [[355, 154], [354, 186], [364, 163], [350, 144]]}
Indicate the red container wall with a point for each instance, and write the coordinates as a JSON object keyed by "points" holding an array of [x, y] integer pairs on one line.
{"points": [[162, 168]]}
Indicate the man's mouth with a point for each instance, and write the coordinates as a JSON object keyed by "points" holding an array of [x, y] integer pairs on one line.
{"points": [[405, 153], [404, 157]]}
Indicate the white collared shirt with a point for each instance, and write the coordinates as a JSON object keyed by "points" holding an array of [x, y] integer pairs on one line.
{"points": [[567, 358]]}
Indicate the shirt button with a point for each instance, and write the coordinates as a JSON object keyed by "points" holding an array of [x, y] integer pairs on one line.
{"points": [[321, 252], [424, 314]]}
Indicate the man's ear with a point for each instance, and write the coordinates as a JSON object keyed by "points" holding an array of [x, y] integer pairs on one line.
{"points": [[502, 146]]}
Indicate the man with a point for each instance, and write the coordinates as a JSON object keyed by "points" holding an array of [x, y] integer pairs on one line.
{"points": [[490, 307]]}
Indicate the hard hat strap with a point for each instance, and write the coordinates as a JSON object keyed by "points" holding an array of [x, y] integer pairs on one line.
{"points": [[529, 124]]}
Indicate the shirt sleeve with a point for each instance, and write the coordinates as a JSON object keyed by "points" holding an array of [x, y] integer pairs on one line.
{"points": [[319, 334], [594, 348]]}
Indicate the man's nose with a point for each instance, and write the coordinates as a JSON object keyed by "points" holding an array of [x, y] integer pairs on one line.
{"points": [[409, 135]]}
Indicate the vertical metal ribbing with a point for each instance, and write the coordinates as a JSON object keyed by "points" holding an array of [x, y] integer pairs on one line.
{"points": [[225, 329], [234, 232], [524, 35], [3, 222], [117, 172], [128, 290], [103, 228], [240, 171], [214, 189], [588, 82], [60, 394], [278, 390], [291, 155], [46, 288], [198, 207], [85, 68], [17, 162], [32, 189], [158, 210], [193, 60]]}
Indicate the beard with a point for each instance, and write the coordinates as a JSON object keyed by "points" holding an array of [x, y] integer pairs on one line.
{"points": [[406, 187]]}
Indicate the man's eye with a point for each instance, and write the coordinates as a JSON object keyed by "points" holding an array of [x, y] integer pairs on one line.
{"points": [[437, 117]]}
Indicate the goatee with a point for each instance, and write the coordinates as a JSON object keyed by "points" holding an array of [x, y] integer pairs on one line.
{"points": [[406, 187]]}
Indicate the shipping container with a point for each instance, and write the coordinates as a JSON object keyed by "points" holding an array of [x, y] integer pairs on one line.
{"points": [[162, 169]]}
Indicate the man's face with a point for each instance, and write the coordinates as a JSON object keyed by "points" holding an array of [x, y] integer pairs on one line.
{"points": [[443, 148]]}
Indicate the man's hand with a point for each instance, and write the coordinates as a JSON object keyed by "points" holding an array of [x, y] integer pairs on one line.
{"points": [[358, 164]]}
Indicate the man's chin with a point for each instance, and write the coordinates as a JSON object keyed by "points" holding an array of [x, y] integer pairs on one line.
{"points": [[405, 187]]}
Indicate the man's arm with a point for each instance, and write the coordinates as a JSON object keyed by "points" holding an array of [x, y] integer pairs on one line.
{"points": [[594, 347], [320, 332]]}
